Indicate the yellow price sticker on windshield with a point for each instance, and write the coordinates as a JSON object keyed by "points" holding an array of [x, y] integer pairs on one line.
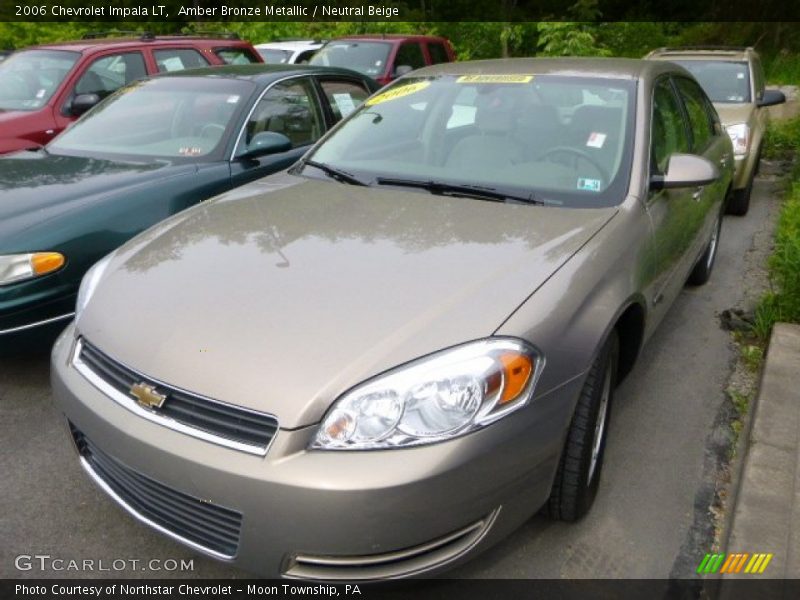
{"points": [[398, 92], [495, 79]]}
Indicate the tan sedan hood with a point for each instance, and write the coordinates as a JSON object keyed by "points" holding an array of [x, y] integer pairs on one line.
{"points": [[282, 295], [730, 114]]}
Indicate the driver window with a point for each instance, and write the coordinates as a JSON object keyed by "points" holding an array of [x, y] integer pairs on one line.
{"points": [[288, 108], [109, 73], [668, 133]]}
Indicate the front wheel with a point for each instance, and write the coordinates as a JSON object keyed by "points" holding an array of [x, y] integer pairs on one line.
{"points": [[578, 475], [702, 270]]}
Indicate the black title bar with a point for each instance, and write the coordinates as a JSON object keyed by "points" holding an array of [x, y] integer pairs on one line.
{"points": [[186, 11]]}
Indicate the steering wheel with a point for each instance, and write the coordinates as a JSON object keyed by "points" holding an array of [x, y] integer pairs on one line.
{"points": [[212, 131], [578, 155]]}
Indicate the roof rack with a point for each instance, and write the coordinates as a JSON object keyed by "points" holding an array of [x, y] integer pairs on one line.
{"points": [[148, 36], [705, 47], [95, 35], [227, 35]]}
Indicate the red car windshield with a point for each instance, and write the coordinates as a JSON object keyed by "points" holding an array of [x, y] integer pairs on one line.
{"points": [[29, 78], [368, 58]]}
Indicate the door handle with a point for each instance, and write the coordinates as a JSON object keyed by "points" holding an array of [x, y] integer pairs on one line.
{"points": [[697, 193]]}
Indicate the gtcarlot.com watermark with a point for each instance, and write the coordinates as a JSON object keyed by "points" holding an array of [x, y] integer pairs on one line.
{"points": [[46, 562]]}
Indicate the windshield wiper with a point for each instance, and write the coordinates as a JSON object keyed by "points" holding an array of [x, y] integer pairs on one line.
{"points": [[334, 173], [441, 188]]}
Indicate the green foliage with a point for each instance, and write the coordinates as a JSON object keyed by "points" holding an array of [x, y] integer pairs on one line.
{"points": [[782, 303], [752, 355], [783, 69], [778, 43], [782, 139], [569, 39], [740, 401]]}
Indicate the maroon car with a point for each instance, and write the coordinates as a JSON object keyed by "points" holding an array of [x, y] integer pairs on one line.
{"points": [[44, 88], [384, 58]]}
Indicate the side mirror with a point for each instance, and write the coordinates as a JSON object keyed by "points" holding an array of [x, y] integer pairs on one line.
{"points": [[267, 142], [684, 171], [83, 102], [401, 70], [771, 98]]}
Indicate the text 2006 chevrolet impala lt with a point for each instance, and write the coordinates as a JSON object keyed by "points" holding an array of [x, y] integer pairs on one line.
{"points": [[382, 362]]}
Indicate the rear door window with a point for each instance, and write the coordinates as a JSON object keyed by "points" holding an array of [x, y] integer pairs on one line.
{"points": [[178, 59], [438, 53], [410, 54], [342, 96], [235, 56]]}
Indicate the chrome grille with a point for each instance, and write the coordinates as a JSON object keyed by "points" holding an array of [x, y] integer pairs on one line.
{"points": [[202, 524], [224, 421]]}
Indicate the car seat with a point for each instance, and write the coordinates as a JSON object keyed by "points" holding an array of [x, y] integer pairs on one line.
{"points": [[495, 144]]}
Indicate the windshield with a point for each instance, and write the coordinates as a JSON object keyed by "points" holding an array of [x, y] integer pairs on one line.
{"points": [[722, 81], [557, 139], [368, 58], [172, 118], [29, 78]]}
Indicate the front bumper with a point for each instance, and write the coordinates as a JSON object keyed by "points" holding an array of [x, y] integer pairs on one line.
{"points": [[24, 313], [326, 514]]}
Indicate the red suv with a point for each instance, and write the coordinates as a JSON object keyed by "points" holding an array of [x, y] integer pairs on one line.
{"points": [[385, 57], [44, 88]]}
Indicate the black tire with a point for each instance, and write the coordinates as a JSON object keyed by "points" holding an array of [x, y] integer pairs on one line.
{"points": [[739, 202], [702, 270], [576, 482]]}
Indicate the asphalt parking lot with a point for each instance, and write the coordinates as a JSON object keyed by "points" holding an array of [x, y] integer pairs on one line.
{"points": [[651, 518]]}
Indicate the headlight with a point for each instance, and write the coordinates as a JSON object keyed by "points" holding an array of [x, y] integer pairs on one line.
{"points": [[19, 267], [435, 398], [89, 283], [740, 136]]}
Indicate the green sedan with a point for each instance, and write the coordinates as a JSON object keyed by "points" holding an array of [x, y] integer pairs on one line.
{"points": [[153, 149]]}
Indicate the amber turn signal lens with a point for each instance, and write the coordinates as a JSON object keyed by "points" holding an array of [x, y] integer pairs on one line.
{"points": [[517, 369], [46, 262]]}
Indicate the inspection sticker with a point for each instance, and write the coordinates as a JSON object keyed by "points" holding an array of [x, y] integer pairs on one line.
{"points": [[495, 79], [596, 140], [398, 92], [589, 185], [232, 99]]}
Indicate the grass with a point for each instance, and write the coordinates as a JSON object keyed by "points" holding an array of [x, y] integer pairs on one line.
{"points": [[783, 69], [782, 301], [782, 139]]}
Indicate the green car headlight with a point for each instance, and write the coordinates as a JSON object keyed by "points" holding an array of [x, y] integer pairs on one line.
{"points": [[19, 267], [438, 397]]}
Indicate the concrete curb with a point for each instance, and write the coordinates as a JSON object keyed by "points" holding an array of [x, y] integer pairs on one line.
{"points": [[766, 508]]}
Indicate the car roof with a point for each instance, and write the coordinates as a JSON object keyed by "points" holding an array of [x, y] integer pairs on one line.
{"points": [[703, 53], [390, 37], [611, 68], [260, 72], [123, 43]]}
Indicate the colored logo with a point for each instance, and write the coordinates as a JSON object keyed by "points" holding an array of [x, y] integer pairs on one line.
{"points": [[734, 562], [147, 396]]}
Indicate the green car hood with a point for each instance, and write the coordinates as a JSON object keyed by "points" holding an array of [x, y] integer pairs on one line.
{"points": [[37, 187]]}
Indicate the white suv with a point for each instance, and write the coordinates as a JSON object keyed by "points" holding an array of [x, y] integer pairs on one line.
{"points": [[289, 52]]}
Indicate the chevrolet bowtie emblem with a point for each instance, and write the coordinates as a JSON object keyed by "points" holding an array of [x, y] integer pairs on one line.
{"points": [[147, 396]]}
